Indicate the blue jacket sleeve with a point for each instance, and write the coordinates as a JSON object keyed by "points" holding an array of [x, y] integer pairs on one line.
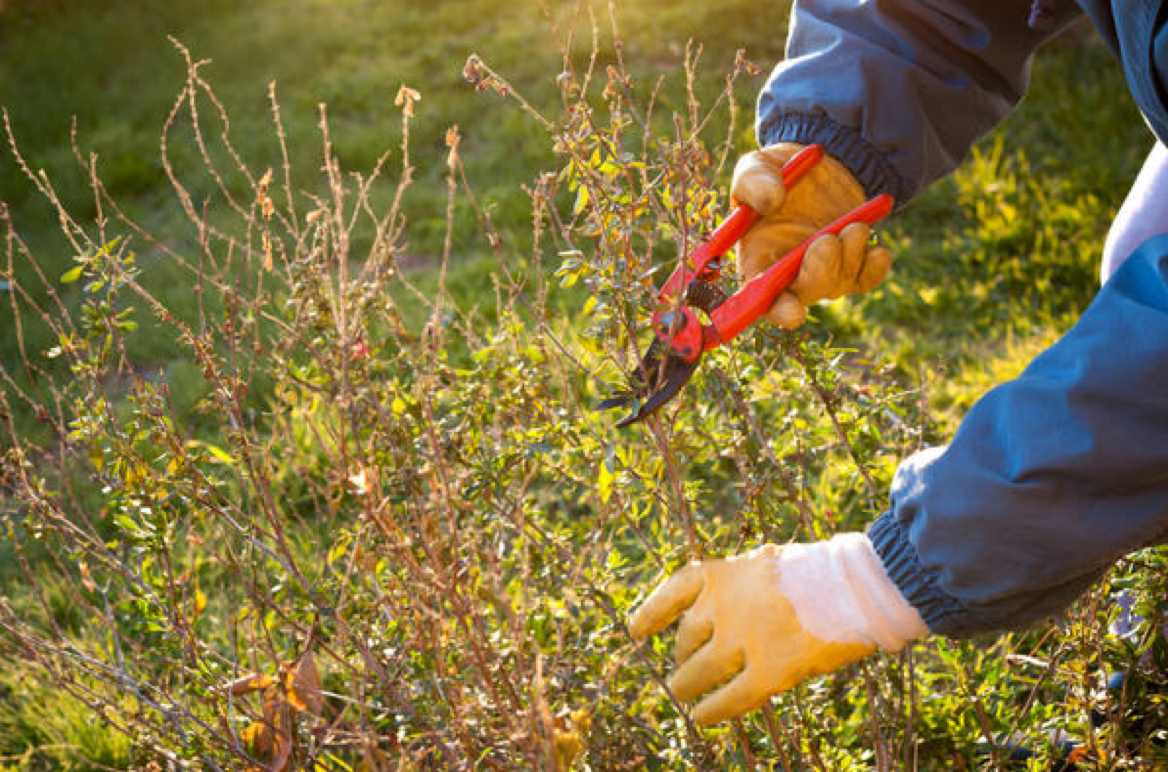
{"points": [[898, 90], [1050, 478]]}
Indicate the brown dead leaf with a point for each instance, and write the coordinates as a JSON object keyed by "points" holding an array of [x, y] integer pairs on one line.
{"points": [[304, 685], [278, 719]]}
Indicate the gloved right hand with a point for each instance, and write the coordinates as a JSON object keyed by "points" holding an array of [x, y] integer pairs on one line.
{"points": [[833, 266]]}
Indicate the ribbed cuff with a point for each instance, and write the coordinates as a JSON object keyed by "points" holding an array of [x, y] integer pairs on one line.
{"points": [[871, 168], [943, 613]]}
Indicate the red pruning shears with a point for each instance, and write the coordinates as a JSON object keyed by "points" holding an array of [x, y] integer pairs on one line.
{"points": [[681, 338]]}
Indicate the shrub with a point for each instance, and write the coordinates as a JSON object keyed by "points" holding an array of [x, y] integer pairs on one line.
{"points": [[358, 525]]}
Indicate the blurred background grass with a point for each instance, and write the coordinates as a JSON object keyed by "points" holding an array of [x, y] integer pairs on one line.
{"points": [[1037, 195], [1002, 254]]}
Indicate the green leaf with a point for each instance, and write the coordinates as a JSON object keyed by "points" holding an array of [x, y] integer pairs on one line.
{"points": [[72, 275], [219, 454]]}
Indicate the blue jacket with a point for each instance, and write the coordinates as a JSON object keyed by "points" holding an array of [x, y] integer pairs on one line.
{"points": [[1055, 475]]}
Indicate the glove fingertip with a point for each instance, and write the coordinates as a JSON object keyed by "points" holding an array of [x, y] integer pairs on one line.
{"points": [[733, 699], [757, 184], [877, 266], [854, 243], [666, 603], [819, 274], [788, 312], [859, 231]]}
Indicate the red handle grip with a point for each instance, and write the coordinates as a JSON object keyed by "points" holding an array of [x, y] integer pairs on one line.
{"points": [[756, 296]]}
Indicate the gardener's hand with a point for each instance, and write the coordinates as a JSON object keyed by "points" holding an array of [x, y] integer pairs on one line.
{"points": [[757, 624], [834, 266]]}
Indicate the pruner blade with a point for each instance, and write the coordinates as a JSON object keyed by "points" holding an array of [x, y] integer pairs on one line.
{"points": [[656, 380]]}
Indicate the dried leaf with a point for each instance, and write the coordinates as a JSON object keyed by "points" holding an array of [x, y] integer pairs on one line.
{"points": [[473, 72], [250, 683], [258, 738], [406, 97], [304, 685], [278, 719], [86, 577], [453, 138], [359, 483], [741, 62]]}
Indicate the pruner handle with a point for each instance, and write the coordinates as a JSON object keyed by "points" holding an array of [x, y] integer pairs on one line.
{"points": [[732, 229], [756, 296]]}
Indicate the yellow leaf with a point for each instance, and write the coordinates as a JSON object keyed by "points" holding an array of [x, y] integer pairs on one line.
{"points": [[568, 747], [571, 737], [604, 482], [200, 601], [96, 456]]}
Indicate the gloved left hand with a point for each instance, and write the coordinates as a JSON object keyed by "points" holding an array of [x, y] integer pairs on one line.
{"points": [[758, 624]]}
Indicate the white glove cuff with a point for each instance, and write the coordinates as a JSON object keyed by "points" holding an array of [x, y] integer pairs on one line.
{"points": [[841, 593]]}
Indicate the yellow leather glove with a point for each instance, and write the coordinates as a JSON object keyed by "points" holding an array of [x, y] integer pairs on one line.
{"points": [[758, 624], [834, 266]]}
